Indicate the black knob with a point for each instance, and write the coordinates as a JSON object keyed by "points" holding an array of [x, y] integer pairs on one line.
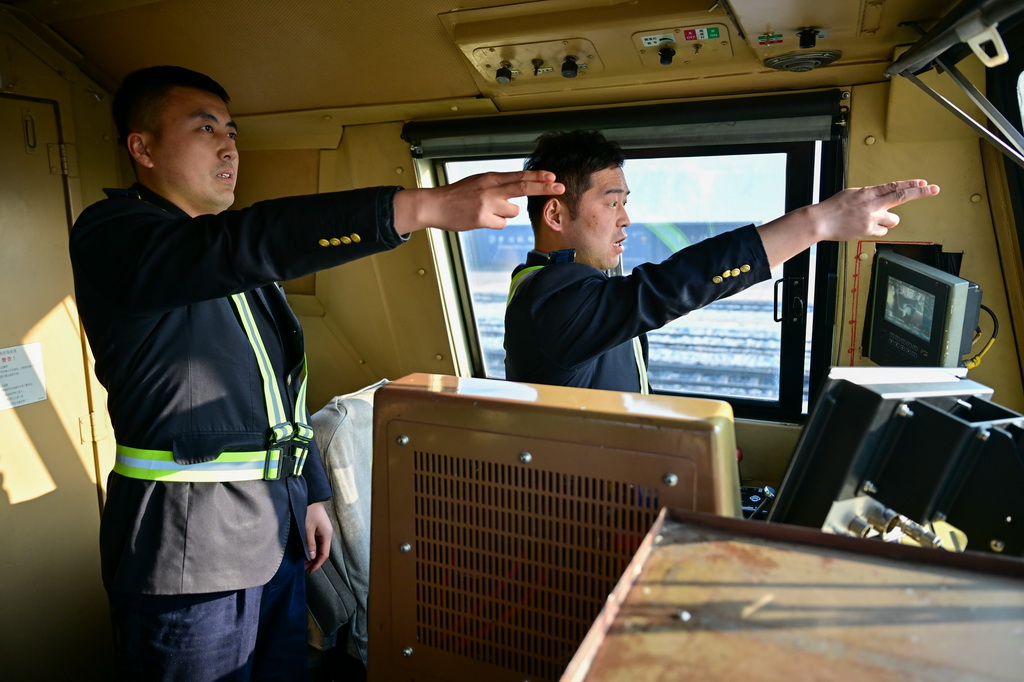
{"points": [[504, 74], [569, 67], [808, 38], [666, 54]]}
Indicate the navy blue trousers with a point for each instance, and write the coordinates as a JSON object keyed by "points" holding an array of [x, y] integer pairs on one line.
{"points": [[253, 634]]}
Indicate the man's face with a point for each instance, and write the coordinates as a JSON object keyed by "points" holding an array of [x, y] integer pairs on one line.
{"points": [[599, 229], [192, 159]]}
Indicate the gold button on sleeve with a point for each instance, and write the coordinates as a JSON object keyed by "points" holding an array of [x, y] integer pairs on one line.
{"points": [[346, 240], [716, 279], [356, 238], [727, 273], [735, 272], [324, 242], [335, 241], [744, 268]]}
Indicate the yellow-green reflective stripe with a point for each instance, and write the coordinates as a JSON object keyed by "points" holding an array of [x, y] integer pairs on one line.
{"points": [[518, 279], [257, 456], [275, 406], [159, 465], [189, 476]]}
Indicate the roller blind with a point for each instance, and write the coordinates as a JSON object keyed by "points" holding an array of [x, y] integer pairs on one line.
{"points": [[773, 118]]}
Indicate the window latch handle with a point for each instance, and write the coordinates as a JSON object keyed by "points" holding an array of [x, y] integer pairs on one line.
{"points": [[794, 307]]}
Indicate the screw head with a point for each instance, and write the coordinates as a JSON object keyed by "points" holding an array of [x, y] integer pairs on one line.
{"points": [[525, 457], [670, 480], [405, 548], [407, 651], [402, 440]]}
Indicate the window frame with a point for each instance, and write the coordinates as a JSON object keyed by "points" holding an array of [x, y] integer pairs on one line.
{"points": [[789, 408], [482, 139]]}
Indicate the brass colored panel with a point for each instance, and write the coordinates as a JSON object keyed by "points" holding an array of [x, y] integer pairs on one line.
{"points": [[506, 512], [727, 599]]}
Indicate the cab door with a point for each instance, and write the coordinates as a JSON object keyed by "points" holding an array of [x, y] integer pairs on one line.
{"points": [[54, 622]]}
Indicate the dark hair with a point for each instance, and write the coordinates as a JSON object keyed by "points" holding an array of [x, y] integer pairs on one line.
{"points": [[573, 156], [136, 104]]}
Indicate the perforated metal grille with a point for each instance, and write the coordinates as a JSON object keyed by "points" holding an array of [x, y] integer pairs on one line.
{"points": [[514, 563]]}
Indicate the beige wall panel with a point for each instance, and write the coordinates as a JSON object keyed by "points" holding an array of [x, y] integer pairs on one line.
{"points": [[388, 307], [958, 218], [767, 449], [50, 469]]}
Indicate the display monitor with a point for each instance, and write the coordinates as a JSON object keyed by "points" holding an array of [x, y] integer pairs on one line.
{"points": [[919, 315]]}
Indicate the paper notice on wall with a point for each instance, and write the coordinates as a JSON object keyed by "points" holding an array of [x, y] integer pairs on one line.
{"points": [[21, 375]]}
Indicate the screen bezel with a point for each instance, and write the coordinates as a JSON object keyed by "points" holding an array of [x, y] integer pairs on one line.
{"points": [[943, 344]]}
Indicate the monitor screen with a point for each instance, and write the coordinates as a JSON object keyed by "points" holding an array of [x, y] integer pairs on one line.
{"points": [[909, 308], [918, 315]]}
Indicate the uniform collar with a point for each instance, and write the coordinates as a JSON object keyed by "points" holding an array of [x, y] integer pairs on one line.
{"points": [[535, 257], [140, 191]]}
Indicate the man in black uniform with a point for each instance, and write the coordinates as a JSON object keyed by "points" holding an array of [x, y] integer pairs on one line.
{"points": [[214, 507], [568, 323]]}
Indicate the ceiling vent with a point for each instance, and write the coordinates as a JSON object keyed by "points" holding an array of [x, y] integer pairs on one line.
{"points": [[802, 61]]}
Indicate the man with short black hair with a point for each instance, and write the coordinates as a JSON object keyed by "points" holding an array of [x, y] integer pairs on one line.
{"points": [[568, 323], [214, 507]]}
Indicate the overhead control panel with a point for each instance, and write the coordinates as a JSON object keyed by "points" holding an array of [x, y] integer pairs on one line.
{"points": [[683, 46], [574, 45]]}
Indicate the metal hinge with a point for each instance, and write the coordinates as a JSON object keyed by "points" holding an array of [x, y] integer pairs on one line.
{"points": [[63, 159], [93, 428]]}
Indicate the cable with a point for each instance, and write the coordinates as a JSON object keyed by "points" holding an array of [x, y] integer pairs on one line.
{"points": [[976, 360]]}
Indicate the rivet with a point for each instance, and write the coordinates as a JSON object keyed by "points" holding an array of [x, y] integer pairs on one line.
{"points": [[327, 117], [421, 272], [402, 440], [525, 457], [407, 651], [862, 256], [670, 479], [975, 198], [405, 548], [455, 107], [845, 95], [997, 545], [439, 357], [399, 170], [684, 616], [870, 139]]}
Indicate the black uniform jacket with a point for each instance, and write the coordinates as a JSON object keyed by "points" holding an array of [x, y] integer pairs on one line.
{"points": [[151, 286], [570, 324]]}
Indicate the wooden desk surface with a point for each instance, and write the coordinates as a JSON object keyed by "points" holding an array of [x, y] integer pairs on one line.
{"points": [[710, 598]]}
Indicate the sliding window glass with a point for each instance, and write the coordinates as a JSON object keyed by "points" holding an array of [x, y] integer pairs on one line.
{"points": [[694, 170], [743, 347]]}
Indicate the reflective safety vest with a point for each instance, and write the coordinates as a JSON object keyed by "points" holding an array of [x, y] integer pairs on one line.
{"points": [[159, 465], [638, 351]]}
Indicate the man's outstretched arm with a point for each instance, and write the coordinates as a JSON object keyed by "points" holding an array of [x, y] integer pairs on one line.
{"points": [[477, 201], [855, 213]]}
